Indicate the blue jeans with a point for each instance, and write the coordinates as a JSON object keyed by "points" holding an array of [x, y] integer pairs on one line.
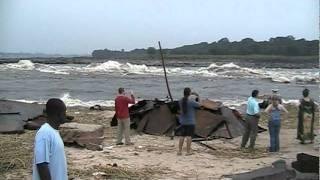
{"points": [[274, 130]]}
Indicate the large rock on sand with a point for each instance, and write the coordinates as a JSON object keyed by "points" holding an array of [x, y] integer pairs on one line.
{"points": [[89, 136]]}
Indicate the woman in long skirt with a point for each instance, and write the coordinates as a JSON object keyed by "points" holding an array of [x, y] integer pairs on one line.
{"points": [[306, 118]]}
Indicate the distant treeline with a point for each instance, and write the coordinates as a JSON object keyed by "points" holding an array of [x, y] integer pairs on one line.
{"points": [[283, 46]]}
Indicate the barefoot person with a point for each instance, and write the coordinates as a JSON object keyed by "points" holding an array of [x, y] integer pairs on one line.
{"points": [[187, 119], [252, 119], [306, 118], [122, 114], [274, 110], [49, 158]]}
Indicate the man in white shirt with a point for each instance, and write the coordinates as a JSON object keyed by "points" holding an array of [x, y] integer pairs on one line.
{"points": [[49, 161]]}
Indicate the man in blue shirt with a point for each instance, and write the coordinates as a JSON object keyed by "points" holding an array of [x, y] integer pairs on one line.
{"points": [[49, 160], [252, 120]]}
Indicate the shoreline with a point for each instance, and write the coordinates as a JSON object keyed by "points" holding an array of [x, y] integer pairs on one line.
{"points": [[153, 156]]}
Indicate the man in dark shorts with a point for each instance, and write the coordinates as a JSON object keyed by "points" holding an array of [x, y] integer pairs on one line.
{"points": [[187, 120]]}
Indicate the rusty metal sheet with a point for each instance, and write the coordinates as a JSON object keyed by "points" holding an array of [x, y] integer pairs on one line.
{"points": [[211, 104], [159, 120], [207, 122]]}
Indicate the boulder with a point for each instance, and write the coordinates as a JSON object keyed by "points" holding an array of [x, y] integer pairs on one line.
{"points": [[11, 123], [26, 110], [277, 172], [36, 123], [13, 115], [89, 136], [306, 163]]}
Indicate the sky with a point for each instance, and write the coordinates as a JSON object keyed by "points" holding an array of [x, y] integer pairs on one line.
{"points": [[81, 26]]}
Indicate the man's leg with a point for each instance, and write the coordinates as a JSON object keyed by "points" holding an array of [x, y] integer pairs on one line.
{"points": [[180, 145], [120, 131], [127, 131], [246, 134], [254, 131], [189, 140]]}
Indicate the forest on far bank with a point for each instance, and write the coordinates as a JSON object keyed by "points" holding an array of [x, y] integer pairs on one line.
{"points": [[280, 46]]}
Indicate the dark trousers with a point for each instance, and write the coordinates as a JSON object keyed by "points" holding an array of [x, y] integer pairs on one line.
{"points": [[274, 130], [251, 131]]}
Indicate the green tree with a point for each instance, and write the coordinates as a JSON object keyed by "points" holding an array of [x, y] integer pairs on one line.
{"points": [[151, 51]]}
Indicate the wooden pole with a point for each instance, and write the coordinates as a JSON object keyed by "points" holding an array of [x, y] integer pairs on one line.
{"points": [[165, 72]]}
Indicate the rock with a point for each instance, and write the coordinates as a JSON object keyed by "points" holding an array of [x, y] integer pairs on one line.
{"points": [[89, 136], [14, 114], [11, 123], [94, 147], [101, 175], [36, 123], [96, 107], [306, 163]]}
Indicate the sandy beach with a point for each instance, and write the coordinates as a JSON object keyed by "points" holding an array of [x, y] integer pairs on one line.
{"points": [[152, 157]]}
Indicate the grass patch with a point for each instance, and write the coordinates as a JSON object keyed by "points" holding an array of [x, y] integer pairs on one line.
{"points": [[16, 154], [111, 172]]}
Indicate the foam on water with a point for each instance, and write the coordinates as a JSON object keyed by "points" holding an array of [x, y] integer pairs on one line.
{"points": [[229, 70], [21, 65], [70, 101], [27, 65]]}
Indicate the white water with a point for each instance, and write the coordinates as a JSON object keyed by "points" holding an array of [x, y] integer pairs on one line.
{"points": [[229, 70], [71, 101]]}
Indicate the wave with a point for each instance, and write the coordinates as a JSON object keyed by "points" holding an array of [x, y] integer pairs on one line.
{"points": [[307, 76], [127, 68], [22, 65], [229, 70], [71, 101], [27, 65]]}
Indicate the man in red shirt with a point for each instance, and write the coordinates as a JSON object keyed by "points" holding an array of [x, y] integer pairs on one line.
{"points": [[122, 114]]}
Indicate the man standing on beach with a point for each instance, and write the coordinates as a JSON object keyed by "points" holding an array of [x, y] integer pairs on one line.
{"points": [[122, 114], [252, 119], [49, 158]]}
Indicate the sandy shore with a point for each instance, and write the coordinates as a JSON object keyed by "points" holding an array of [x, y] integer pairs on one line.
{"points": [[152, 157]]}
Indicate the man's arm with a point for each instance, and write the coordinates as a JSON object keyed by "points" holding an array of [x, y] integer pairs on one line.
{"points": [[131, 100], [43, 170]]}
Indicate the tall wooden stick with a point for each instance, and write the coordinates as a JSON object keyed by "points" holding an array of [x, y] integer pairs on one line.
{"points": [[165, 72]]}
